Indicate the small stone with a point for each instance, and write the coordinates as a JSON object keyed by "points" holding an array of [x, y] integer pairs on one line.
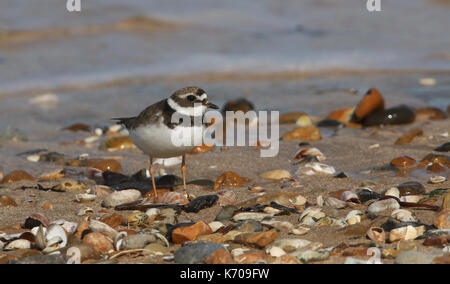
{"points": [[226, 197], [304, 121], [443, 148], [414, 257], [35, 220], [137, 241], [290, 117], [42, 259], [226, 213], [121, 197], [69, 185], [309, 256], [342, 115], [442, 259], [7, 201], [254, 257], [215, 238], [249, 226], [411, 188], [403, 162], [276, 175], [99, 242], [251, 215], [196, 252], [401, 114], [17, 176], [201, 202], [229, 179], [372, 101], [383, 205], [446, 202], [442, 221], [156, 249], [308, 133], [113, 221], [430, 113], [257, 239], [78, 127], [18, 244], [291, 244], [105, 165], [117, 143], [220, 256], [190, 233], [409, 136]]}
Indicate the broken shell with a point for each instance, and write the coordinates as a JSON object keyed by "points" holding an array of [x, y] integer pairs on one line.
{"points": [[349, 196], [226, 197], [100, 227], [34, 220], [18, 244], [118, 240], [216, 225], [437, 179], [403, 215], [411, 198], [55, 239], [300, 230], [403, 234], [393, 191], [312, 212], [383, 205], [85, 197], [152, 212], [251, 215], [314, 168], [310, 152], [85, 210], [353, 217], [376, 234], [335, 203], [276, 251], [69, 227], [320, 201]]}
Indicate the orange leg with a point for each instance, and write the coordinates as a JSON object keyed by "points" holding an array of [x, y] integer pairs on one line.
{"points": [[152, 173], [183, 172]]}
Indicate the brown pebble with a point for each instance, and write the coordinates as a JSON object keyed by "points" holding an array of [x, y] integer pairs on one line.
{"points": [[411, 188], [409, 136], [7, 201], [117, 143], [290, 117], [83, 227], [16, 176], [442, 221], [442, 259], [190, 233], [342, 115], [253, 257], [220, 256], [436, 168], [430, 113], [402, 162], [229, 179], [259, 239], [373, 101], [105, 165], [113, 221], [78, 127], [202, 149], [308, 133], [99, 242]]}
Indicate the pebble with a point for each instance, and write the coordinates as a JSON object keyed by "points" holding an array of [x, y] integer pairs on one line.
{"points": [[229, 179], [403, 234], [291, 244], [35, 220], [258, 239], [411, 188], [249, 226], [45, 100], [220, 256], [7, 201], [18, 244], [342, 115], [196, 252], [16, 176], [276, 175], [121, 197], [42, 259], [290, 117], [215, 225], [308, 133], [372, 102], [190, 233], [442, 221], [312, 255], [105, 165], [156, 249], [99, 242], [117, 143], [401, 114], [78, 127], [137, 241], [443, 148], [226, 197], [383, 205], [202, 202], [251, 215], [403, 162], [226, 213], [173, 197], [314, 168], [414, 257], [409, 136], [113, 221], [366, 194]]}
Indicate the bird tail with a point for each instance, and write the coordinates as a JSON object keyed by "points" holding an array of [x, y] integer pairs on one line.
{"points": [[124, 120]]}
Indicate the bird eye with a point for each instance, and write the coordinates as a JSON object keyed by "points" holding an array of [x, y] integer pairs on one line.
{"points": [[191, 98]]}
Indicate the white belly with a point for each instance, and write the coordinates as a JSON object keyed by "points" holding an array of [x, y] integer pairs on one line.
{"points": [[159, 141]]}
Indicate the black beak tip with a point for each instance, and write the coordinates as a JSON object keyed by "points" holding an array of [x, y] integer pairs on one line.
{"points": [[213, 106]]}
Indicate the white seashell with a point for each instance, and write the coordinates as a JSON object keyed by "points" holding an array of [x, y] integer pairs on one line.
{"points": [[393, 191], [278, 224], [349, 196], [98, 131], [308, 221], [437, 179], [2, 245], [91, 139], [33, 158], [118, 240], [376, 234], [353, 217], [314, 168], [403, 215], [239, 251], [313, 212], [335, 203], [300, 230], [55, 238], [251, 215], [100, 227], [18, 244], [271, 210], [152, 212], [84, 211], [382, 205], [403, 234], [85, 197], [216, 225], [411, 198], [276, 251], [290, 245], [320, 201], [310, 152]]}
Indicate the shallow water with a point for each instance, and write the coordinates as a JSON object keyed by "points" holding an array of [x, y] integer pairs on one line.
{"points": [[220, 36]]}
